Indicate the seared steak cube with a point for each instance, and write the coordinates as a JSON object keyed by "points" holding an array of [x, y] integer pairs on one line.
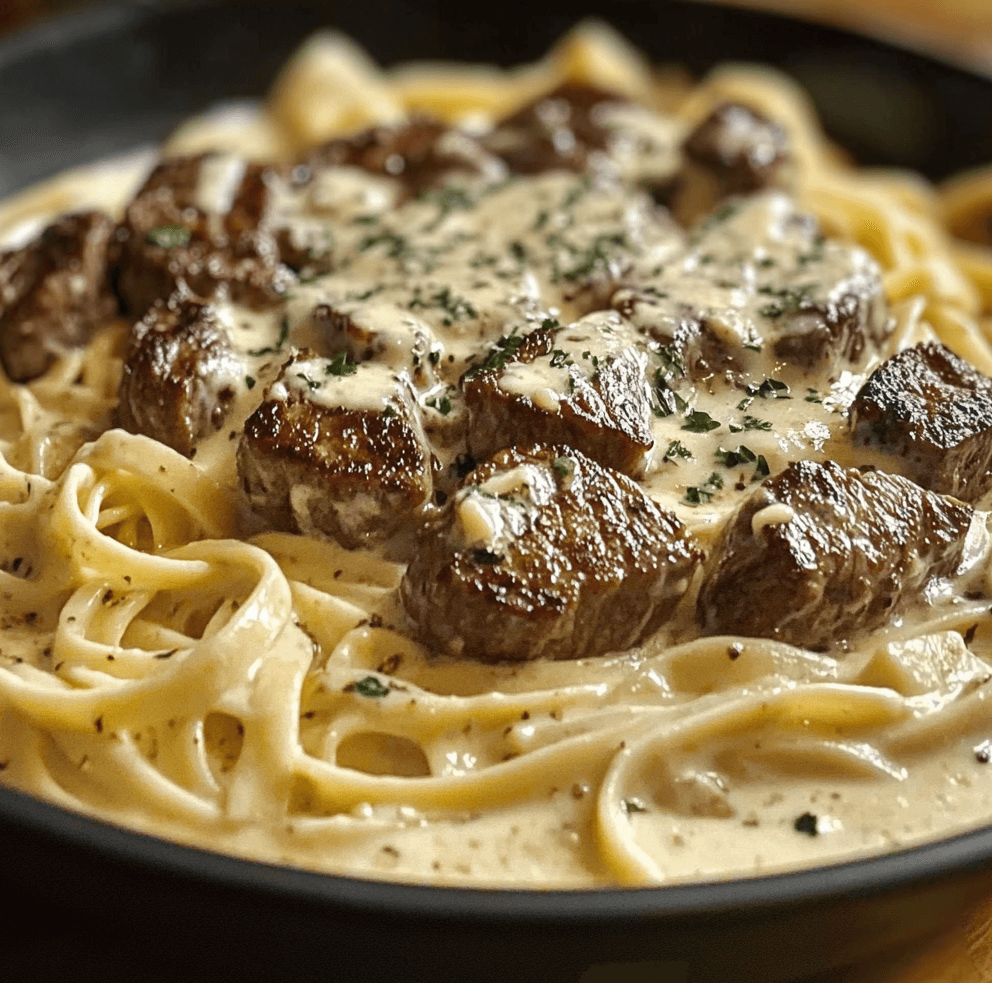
{"points": [[584, 385], [421, 154], [820, 553], [542, 553], [736, 150], [933, 410], [180, 374], [336, 449], [760, 286], [557, 131], [53, 293], [185, 226]]}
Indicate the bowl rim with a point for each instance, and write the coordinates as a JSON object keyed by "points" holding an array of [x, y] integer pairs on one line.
{"points": [[954, 855]]}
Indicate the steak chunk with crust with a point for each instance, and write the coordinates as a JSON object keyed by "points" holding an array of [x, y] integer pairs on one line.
{"points": [[542, 553], [421, 154], [584, 385], [557, 131], [196, 221], [734, 151], [933, 410], [336, 449], [819, 553], [180, 374], [53, 293]]}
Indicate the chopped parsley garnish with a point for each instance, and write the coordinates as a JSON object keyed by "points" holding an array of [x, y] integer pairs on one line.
{"points": [[630, 806], [397, 246], [730, 459], [502, 352], [813, 396], [696, 494], [455, 307], [250, 381], [563, 466], [769, 389], [168, 236], [677, 449], [596, 255], [341, 364], [560, 358], [440, 403], [806, 823], [311, 384], [434, 357], [672, 362], [761, 469], [749, 422], [371, 686], [699, 421]]}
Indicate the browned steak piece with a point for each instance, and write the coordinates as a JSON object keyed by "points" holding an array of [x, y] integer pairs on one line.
{"points": [[336, 449], [584, 385], [421, 154], [180, 374], [555, 132], [819, 553], [190, 223], [734, 151], [53, 293], [542, 553], [760, 286], [741, 147], [933, 410]]}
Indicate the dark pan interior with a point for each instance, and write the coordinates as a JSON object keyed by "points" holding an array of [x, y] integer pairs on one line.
{"points": [[110, 904]]}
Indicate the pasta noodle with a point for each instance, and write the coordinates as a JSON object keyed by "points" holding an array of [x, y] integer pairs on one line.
{"points": [[170, 666]]}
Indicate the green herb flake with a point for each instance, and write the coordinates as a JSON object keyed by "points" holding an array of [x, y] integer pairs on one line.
{"points": [[806, 823], [761, 469], [563, 466], [168, 236], [677, 449], [630, 806], [697, 494], [340, 365], [813, 396], [750, 423], [250, 381], [560, 358], [371, 686], [699, 421], [731, 459], [311, 384], [503, 351]]}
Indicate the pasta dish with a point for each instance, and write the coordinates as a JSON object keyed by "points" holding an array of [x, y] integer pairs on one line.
{"points": [[566, 476]]}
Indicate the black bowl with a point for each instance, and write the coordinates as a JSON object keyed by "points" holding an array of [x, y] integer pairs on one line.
{"points": [[107, 903]]}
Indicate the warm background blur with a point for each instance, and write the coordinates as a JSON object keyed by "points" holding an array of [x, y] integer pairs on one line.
{"points": [[956, 29]]}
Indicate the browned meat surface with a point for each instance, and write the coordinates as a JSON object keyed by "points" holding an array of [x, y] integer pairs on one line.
{"points": [[583, 385], [180, 374], [335, 449], [734, 151], [555, 132], [545, 554], [421, 154], [761, 286], [819, 553], [168, 237], [53, 293], [933, 410]]}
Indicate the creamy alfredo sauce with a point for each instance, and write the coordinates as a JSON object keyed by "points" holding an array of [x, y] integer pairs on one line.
{"points": [[798, 776]]}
